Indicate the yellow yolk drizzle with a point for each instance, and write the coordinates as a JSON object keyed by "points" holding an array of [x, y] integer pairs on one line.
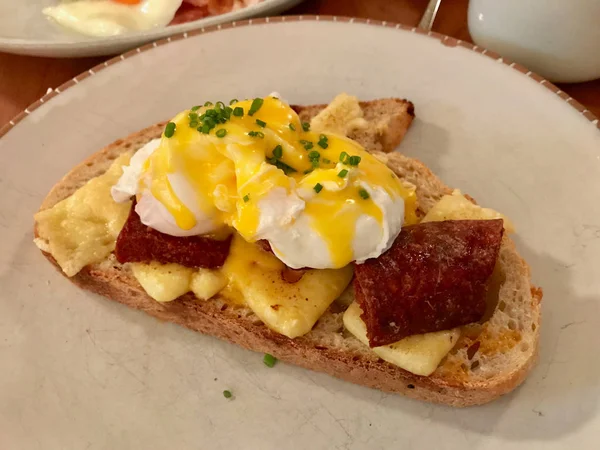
{"points": [[174, 155], [334, 213], [335, 221], [235, 164]]}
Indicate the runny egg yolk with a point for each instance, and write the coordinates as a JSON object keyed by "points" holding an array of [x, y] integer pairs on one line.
{"points": [[259, 147]]}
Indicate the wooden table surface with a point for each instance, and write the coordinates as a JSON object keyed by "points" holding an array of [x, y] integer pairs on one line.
{"points": [[23, 79]]}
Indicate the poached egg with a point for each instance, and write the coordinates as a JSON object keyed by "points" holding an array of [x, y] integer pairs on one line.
{"points": [[320, 199], [112, 17]]}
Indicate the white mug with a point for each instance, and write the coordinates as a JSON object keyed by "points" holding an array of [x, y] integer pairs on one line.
{"points": [[558, 39]]}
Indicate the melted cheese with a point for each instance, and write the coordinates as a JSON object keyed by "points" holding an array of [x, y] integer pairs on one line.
{"points": [[83, 228], [341, 116], [206, 283], [419, 354], [252, 277], [167, 282], [458, 207], [163, 282], [290, 309]]}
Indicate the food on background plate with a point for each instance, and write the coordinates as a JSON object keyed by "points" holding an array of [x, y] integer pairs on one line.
{"points": [[295, 232], [112, 17]]}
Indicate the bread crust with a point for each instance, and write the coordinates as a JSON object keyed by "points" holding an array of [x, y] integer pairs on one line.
{"points": [[449, 385]]}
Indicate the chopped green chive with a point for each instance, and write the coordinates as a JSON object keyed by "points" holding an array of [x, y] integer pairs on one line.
{"points": [[323, 141], [256, 104], [318, 187], [233, 101], [227, 394], [260, 123], [258, 134], [307, 144], [278, 152], [170, 129], [221, 133], [363, 193], [246, 198], [292, 127], [287, 169], [211, 117], [195, 108], [342, 173], [326, 161], [343, 156], [307, 171], [269, 360], [305, 126], [238, 111], [314, 155], [354, 160]]}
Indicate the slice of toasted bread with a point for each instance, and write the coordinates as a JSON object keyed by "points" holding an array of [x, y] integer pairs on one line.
{"points": [[387, 119], [489, 360]]}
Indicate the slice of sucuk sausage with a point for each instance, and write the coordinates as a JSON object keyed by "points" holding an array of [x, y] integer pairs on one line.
{"points": [[432, 278], [140, 243]]}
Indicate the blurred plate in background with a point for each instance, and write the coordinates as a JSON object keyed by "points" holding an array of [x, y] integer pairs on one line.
{"points": [[26, 31]]}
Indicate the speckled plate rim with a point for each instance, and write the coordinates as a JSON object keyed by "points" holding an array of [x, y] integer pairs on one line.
{"points": [[445, 40]]}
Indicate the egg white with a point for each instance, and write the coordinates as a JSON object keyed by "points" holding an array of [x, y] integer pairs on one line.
{"points": [[298, 245], [107, 18], [127, 186], [152, 212]]}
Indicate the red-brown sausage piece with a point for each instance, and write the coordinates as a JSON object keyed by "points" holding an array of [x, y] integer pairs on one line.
{"points": [[433, 278], [139, 243]]}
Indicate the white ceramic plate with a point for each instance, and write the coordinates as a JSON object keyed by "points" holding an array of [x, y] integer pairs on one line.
{"points": [[79, 371], [25, 30]]}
